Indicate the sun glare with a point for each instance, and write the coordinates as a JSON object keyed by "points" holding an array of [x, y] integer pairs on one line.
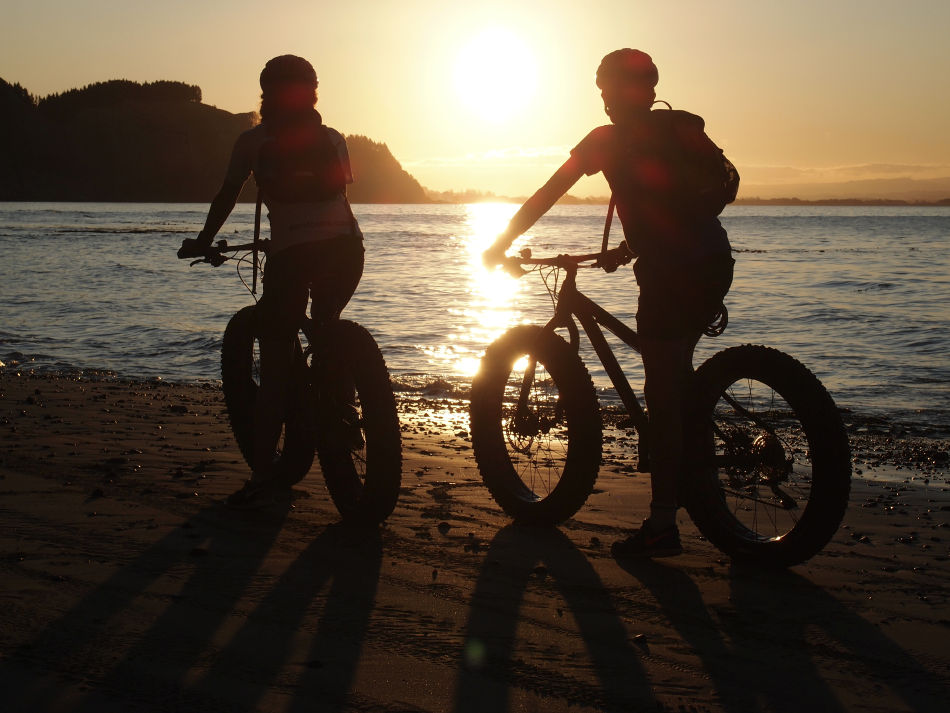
{"points": [[495, 75]]}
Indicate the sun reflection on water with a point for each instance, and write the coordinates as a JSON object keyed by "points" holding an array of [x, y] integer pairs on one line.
{"points": [[492, 305]]}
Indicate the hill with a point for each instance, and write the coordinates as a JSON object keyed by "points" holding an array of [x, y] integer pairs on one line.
{"points": [[152, 142]]}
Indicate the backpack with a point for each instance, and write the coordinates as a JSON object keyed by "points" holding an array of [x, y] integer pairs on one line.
{"points": [[300, 164], [670, 158], [703, 181]]}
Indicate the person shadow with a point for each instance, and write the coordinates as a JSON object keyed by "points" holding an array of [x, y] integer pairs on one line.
{"points": [[177, 661], [770, 650], [520, 558]]}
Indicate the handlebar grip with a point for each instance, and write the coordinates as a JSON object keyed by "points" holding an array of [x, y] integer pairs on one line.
{"points": [[190, 247]]}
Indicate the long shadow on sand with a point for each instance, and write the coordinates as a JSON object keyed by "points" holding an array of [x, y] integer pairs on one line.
{"points": [[200, 652], [783, 640], [517, 559]]}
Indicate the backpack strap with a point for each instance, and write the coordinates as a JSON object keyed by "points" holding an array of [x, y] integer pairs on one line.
{"points": [[610, 218], [257, 238]]}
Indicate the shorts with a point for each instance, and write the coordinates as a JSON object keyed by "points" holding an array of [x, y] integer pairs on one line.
{"points": [[678, 301], [328, 271]]}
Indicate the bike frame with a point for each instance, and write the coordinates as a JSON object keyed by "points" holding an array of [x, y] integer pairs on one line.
{"points": [[572, 303], [308, 326]]}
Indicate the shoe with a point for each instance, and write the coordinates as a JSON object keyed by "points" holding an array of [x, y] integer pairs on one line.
{"points": [[644, 542], [255, 493]]}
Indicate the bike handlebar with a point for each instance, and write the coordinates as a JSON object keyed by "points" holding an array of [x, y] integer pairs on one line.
{"points": [[213, 253], [609, 260]]}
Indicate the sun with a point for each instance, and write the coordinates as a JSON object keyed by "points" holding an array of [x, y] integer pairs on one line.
{"points": [[495, 75]]}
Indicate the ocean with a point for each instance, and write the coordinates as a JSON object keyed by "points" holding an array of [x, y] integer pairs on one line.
{"points": [[861, 295]]}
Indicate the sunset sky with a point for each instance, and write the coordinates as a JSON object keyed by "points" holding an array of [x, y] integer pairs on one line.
{"points": [[492, 95]]}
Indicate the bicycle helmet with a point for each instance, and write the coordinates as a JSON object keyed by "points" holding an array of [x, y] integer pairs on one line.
{"points": [[627, 66], [288, 69]]}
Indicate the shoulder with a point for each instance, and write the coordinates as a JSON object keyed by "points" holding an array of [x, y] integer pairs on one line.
{"points": [[250, 140], [595, 149], [600, 135], [597, 140], [335, 136]]}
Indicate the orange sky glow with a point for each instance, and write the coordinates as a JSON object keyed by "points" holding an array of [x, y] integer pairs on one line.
{"points": [[492, 95]]}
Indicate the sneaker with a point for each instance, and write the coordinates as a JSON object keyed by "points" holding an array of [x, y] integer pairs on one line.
{"points": [[255, 493], [644, 542]]}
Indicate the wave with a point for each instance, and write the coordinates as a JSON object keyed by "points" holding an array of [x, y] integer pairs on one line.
{"points": [[164, 230]]}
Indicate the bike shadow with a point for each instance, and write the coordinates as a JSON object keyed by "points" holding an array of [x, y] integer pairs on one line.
{"points": [[229, 635], [520, 558], [764, 651]]}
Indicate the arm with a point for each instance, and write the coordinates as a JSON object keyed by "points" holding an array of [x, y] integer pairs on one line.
{"points": [[239, 168], [220, 209], [536, 206]]}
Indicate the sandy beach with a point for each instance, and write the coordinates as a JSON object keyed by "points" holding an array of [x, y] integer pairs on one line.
{"points": [[126, 585]]}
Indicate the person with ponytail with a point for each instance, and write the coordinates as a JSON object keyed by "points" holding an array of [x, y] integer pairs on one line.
{"points": [[301, 168]]}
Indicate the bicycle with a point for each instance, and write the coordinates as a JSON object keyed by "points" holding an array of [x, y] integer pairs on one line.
{"points": [[342, 405], [768, 465]]}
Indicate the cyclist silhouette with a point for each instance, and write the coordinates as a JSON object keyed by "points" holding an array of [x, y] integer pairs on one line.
{"points": [[302, 168], [683, 267]]}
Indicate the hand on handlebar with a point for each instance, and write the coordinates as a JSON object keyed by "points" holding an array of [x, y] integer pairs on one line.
{"points": [[494, 256], [198, 248], [612, 259], [193, 247]]}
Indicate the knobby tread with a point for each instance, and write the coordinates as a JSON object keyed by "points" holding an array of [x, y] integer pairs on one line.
{"points": [[240, 396], [579, 401], [828, 445]]}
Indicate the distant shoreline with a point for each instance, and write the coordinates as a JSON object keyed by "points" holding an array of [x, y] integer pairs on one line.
{"points": [[573, 200]]}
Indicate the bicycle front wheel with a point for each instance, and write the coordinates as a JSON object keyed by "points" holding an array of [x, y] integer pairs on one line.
{"points": [[358, 442], [772, 472], [536, 428], [240, 377]]}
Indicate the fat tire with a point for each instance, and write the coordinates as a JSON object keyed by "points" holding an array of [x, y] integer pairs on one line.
{"points": [[370, 497], [240, 395], [827, 446], [581, 410]]}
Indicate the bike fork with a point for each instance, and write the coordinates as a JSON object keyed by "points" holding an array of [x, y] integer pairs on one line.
{"points": [[527, 381]]}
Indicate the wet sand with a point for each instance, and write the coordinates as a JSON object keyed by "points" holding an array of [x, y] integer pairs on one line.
{"points": [[127, 586]]}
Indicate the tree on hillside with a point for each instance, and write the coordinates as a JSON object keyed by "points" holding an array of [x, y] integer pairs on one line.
{"points": [[11, 94], [116, 91], [125, 141]]}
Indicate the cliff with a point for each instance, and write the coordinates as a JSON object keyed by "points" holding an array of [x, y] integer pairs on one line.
{"points": [[154, 142]]}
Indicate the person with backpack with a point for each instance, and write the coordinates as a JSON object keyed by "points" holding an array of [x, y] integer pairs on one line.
{"points": [[669, 183], [301, 168]]}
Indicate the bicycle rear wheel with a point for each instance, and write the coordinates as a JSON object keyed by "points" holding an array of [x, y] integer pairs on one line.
{"points": [[536, 428], [240, 377], [771, 475], [358, 443]]}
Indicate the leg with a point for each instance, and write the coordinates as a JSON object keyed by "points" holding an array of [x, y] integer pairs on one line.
{"points": [[279, 311], [666, 363], [337, 267], [669, 330]]}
